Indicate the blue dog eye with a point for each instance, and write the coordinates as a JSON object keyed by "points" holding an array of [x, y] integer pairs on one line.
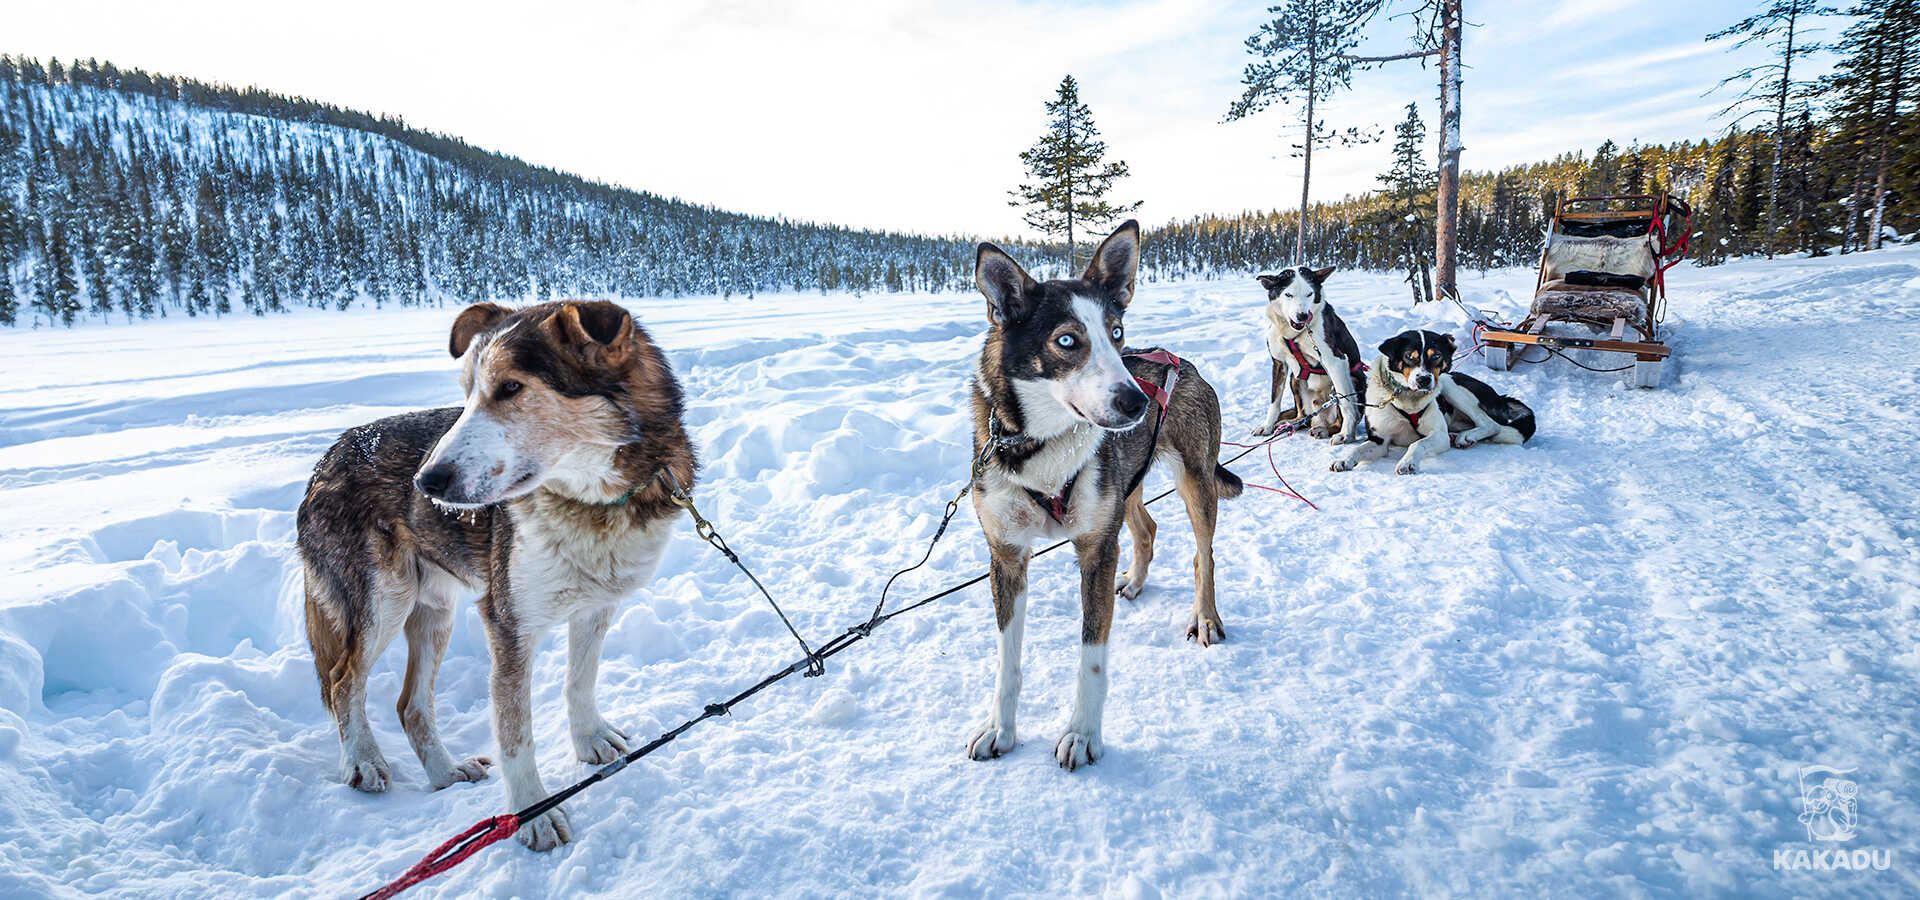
{"points": [[1065, 340], [1117, 333]]}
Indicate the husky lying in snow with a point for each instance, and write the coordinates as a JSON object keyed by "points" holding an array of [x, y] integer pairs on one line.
{"points": [[1313, 354], [1065, 431], [543, 492], [1416, 401]]}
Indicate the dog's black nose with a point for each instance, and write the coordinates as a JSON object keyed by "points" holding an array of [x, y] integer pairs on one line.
{"points": [[1130, 402], [434, 480]]}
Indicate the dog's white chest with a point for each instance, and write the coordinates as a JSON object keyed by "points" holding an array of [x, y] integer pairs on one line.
{"points": [[558, 568], [1018, 519]]}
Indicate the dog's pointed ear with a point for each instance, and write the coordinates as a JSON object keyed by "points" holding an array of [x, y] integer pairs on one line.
{"points": [[1007, 286], [1319, 276], [471, 323], [1275, 282], [1392, 346], [593, 326], [1115, 263]]}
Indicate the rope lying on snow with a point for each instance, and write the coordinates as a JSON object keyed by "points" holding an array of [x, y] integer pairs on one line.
{"points": [[498, 828]]}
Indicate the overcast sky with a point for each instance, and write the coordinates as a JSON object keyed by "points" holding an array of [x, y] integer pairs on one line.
{"points": [[910, 115]]}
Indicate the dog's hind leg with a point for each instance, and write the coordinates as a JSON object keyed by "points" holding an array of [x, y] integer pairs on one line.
{"points": [[594, 741], [347, 635], [428, 629], [1140, 526], [1099, 556], [1008, 578], [1199, 491]]}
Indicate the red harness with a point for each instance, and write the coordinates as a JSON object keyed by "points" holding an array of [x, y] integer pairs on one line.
{"points": [[1307, 368], [1056, 505], [1412, 418]]}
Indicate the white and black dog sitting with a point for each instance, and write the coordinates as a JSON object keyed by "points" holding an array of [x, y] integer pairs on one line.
{"points": [[1314, 356], [1416, 401], [1062, 433]]}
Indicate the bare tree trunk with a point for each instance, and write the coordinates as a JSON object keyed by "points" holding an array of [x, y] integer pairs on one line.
{"points": [[1306, 179], [1780, 131], [1886, 137], [1447, 194]]}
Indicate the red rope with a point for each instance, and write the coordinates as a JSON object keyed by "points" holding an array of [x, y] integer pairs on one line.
{"points": [[445, 857], [1268, 443]]}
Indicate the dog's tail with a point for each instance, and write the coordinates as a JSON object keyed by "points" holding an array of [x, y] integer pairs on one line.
{"points": [[1228, 484]]}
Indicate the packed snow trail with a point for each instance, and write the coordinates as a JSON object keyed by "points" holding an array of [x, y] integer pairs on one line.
{"points": [[1592, 664]]}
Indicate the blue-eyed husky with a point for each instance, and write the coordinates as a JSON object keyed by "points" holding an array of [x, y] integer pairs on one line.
{"points": [[1066, 431]]}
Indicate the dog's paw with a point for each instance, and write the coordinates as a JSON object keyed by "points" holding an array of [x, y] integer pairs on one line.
{"points": [[1128, 588], [1264, 430], [548, 830], [1460, 442], [990, 741], [1321, 432], [368, 773], [1205, 631], [1341, 465], [1076, 749], [1347, 437], [473, 768], [1405, 468], [600, 744]]}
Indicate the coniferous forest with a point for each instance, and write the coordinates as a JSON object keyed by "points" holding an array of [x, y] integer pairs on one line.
{"points": [[127, 196]]}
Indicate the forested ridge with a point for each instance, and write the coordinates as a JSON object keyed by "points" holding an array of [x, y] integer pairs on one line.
{"points": [[127, 196]]}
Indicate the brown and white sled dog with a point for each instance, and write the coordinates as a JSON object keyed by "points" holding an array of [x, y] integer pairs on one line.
{"points": [[1416, 401], [542, 493], [1314, 356], [1069, 430]]}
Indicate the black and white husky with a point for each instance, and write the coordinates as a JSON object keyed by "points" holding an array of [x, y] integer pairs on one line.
{"points": [[1065, 431], [1416, 401], [1314, 356]]}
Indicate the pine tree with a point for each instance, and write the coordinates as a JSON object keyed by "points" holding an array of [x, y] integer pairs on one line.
{"points": [[1070, 181], [1872, 87], [1305, 53]]}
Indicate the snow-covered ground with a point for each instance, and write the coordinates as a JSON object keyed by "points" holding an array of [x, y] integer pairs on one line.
{"points": [[1591, 665]]}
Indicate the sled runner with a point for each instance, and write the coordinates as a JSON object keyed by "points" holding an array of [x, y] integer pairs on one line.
{"points": [[1604, 267]]}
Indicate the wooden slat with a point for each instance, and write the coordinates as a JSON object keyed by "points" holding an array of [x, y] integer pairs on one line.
{"points": [[1643, 349], [1619, 327]]}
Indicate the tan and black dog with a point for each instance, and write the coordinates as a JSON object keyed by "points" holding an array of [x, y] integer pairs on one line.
{"points": [[544, 493], [1066, 432], [1415, 400]]}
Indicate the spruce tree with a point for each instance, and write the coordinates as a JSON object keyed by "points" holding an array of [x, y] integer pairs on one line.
{"points": [[1406, 186], [1070, 178]]}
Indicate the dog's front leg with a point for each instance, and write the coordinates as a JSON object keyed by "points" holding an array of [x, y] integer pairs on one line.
{"points": [[594, 741], [1431, 445], [1008, 576], [1346, 399], [1280, 380], [512, 652], [1080, 746]]}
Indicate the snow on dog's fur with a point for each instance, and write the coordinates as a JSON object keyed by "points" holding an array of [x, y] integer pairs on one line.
{"points": [[543, 492]]}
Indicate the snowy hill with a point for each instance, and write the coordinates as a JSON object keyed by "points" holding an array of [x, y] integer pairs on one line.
{"points": [[125, 196], [1592, 665]]}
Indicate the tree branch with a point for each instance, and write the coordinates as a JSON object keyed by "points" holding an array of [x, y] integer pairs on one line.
{"points": [[1411, 54]]}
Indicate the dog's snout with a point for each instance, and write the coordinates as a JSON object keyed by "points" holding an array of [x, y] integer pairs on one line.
{"points": [[1299, 321], [1423, 380], [435, 479], [1130, 402]]}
